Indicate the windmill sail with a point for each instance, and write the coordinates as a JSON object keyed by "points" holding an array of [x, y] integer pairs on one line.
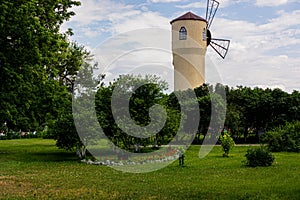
{"points": [[212, 7], [221, 46]]}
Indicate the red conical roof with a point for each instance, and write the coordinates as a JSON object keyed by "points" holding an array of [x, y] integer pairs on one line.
{"points": [[188, 16]]}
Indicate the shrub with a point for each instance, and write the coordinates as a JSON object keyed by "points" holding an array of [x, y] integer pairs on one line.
{"points": [[8, 135], [259, 157], [3, 137], [227, 143], [274, 140], [286, 138]]}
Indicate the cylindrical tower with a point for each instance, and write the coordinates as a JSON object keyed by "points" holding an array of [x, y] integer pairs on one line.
{"points": [[189, 49]]}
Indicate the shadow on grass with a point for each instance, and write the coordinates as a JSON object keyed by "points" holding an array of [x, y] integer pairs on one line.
{"points": [[38, 157], [225, 157], [22, 152], [53, 157]]}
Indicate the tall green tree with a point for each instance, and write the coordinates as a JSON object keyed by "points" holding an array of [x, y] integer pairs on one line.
{"points": [[80, 108], [34, 54]]}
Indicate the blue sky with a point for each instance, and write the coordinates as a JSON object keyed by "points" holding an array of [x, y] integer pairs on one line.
{"points": [[264, 34]]}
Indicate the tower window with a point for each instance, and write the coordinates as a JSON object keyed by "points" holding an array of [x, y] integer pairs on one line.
{"points": [[204, 35], [182, 33]]}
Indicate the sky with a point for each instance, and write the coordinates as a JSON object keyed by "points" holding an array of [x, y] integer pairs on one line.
{"points": [[264, 34]]}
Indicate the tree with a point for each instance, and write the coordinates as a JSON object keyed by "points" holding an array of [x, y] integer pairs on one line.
{"points": [[234, 121], [135, 95], [294, 106], [79, 109], [32, 50], [205, 115], [259, 110], [212, 107]]}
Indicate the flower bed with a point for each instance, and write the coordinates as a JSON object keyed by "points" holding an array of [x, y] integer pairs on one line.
{"points": [[170, 154]]}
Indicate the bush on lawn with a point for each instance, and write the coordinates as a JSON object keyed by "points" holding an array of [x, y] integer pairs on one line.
{"points": [[259, 157], [227, 143], [286, 138]]}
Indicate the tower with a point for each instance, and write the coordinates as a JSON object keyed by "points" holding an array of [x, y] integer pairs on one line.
{"points": [[190, 38], [189, 44]]}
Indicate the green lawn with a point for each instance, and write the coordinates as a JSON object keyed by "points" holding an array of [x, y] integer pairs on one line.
{"points": [[36, 169]]}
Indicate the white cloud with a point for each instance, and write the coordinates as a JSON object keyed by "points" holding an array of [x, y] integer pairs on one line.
{"points": [[95, 17], [225, 3], [95, 10], [270, 3], [164, 1], [193, 5], [203, 4], [143, 20], [256, 56]]}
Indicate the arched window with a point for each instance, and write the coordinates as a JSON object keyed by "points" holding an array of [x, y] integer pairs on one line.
{"points": [[182, 33], [204, 35]]}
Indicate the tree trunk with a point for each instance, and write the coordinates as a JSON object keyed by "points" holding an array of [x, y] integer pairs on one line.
{"points": [[81, 152], [245, 134]]}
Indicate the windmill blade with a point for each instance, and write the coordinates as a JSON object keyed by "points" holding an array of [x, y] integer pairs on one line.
{"points": [[221, 46], [211, 9]]}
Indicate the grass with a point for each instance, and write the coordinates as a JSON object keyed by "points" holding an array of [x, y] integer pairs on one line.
{"points": [[36, 169]]}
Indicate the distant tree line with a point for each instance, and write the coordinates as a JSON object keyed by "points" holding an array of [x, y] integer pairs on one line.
{"points": [[250, 112], [253, 111]]}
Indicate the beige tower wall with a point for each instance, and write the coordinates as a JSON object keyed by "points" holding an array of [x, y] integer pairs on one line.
{"points": [[189, 54]]}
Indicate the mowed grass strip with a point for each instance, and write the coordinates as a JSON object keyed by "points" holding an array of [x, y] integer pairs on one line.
{"points": [[36, 169]]}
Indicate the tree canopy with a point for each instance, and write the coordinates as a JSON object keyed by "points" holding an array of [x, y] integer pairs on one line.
{"points": [[36, 61]]}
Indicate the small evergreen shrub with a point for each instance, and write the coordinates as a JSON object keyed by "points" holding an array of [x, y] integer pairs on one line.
{"points": [[259, 157]]}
